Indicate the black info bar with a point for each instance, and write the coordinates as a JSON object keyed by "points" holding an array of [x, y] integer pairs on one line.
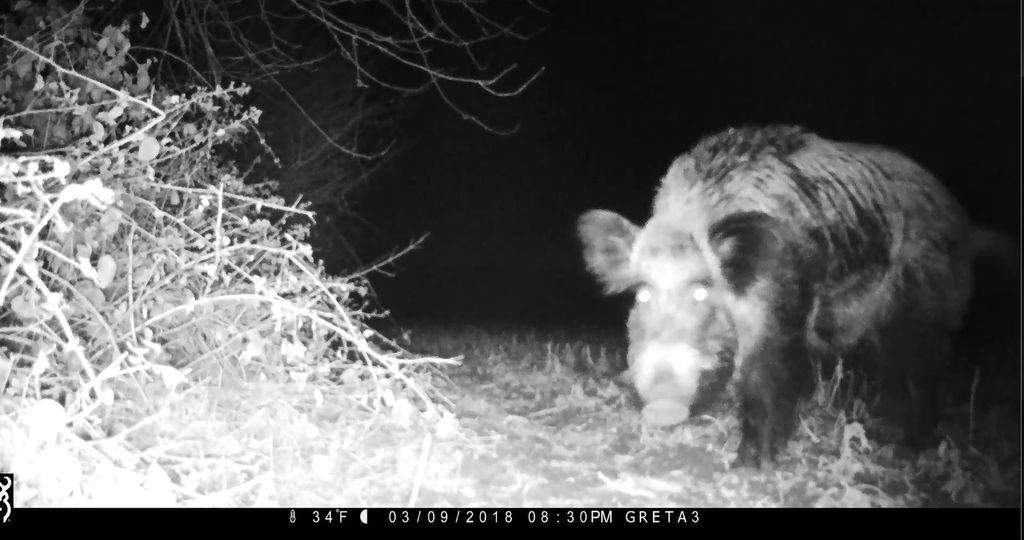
{"points": [[923, 522]]}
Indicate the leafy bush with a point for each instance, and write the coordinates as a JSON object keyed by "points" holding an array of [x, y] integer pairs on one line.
{"points": [[136, 261]]}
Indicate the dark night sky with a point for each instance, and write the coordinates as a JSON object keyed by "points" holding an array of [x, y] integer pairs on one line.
{"points": [[629, 85]]}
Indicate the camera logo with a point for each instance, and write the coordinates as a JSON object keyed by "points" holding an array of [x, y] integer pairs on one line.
{"points": [[6, 496]]}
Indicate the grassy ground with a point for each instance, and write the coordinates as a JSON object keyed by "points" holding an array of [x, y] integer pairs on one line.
{"points": [[556, 425], [527, 419]]}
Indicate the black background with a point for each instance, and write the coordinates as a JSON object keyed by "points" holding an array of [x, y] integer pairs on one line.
{"points": [[629, 85]]}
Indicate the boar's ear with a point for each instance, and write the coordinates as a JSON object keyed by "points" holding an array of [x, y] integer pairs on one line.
{"points": [[607, 242], [748, 246]]}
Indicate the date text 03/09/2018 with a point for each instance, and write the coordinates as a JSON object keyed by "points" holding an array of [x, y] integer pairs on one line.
{"points": [[541, 516]]}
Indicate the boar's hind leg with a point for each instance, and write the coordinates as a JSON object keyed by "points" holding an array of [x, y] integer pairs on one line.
{"points": [[918, 352]]}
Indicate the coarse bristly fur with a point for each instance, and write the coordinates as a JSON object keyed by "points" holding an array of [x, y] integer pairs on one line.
{"points": [[769, 247]]}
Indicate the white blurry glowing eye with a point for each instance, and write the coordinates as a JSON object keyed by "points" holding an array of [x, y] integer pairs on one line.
{"points": [[700, 294], [643, 295]]}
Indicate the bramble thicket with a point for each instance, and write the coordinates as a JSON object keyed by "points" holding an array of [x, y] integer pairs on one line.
{"points": [[141, 268]]}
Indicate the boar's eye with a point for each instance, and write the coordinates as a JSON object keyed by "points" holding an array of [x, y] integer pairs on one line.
{"points": [[643, 294], [699, 293]]}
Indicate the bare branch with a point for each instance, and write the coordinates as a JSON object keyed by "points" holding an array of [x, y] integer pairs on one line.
{"points": [[394, 44]]}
